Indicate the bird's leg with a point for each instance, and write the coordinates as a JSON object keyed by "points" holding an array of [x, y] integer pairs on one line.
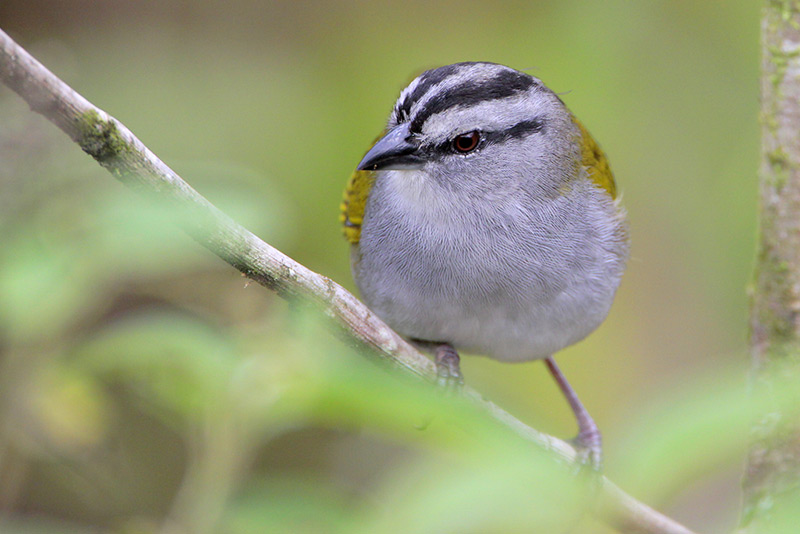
{"points": [[589, 442]]}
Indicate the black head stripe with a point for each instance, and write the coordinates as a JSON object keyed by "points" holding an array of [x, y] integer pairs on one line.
{"points": [[427, 79], [506, 83]]}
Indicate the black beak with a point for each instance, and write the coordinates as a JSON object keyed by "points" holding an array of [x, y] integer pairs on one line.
{"points": [[394, 151]]}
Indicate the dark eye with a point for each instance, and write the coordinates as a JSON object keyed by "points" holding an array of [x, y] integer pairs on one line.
{"points": [[466, 142]]}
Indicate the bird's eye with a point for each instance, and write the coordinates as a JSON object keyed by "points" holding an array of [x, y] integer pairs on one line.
{"points": [[467, 142]]}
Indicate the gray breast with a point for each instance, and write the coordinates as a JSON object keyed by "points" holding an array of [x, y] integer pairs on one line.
{"points": [[503, 280]]}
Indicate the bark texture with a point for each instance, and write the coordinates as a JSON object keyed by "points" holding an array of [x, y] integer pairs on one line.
{"points": [[772, 478]]}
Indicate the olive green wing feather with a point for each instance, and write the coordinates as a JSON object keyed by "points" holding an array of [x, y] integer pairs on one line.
{"points": [[595, 161], [354, 202]]}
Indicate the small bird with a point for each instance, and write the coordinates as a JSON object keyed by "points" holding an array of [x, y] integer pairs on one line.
{"points": [[485, 219]]}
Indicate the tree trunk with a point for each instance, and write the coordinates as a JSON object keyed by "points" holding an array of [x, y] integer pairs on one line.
{"points": [[772, 478]]}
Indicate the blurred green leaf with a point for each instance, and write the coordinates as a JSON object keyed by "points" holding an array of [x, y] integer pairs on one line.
{"points": [[293, 504], [171, 360], [702, 427]]}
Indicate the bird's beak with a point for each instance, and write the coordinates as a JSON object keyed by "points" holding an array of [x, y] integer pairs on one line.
{"points": [[396, 150]]}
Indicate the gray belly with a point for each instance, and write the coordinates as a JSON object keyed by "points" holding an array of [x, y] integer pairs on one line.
{"points": [[513, 289]]}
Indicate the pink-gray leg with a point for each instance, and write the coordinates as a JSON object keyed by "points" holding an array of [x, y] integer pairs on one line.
{"points": [[589, 441]]}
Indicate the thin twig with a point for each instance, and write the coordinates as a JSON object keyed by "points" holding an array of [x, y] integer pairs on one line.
{"points": [[131, 162]]}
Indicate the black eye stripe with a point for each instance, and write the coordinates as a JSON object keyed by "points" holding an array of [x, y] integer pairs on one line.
{"points": [[518, 131]]}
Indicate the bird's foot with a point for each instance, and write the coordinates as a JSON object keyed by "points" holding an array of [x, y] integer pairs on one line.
{"points": [[589, 448], [448, 368]]}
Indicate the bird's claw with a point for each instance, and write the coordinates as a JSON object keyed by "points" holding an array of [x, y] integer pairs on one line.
{"points": [[589, 452], [448, 369]]}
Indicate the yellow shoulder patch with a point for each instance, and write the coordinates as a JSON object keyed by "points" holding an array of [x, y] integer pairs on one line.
{"points": [[354, 202], [595, 161]]}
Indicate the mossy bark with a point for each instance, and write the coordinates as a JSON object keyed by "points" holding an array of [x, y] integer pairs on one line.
{"points": [[772, 478]]}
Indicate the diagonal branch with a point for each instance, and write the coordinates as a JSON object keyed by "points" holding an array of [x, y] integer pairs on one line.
{"points": [[114, 147]]}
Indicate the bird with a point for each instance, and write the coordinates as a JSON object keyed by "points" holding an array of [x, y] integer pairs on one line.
{"points": [[485, 219]]}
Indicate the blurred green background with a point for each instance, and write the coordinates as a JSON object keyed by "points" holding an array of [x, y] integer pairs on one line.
{"points": [[145, 386]]}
